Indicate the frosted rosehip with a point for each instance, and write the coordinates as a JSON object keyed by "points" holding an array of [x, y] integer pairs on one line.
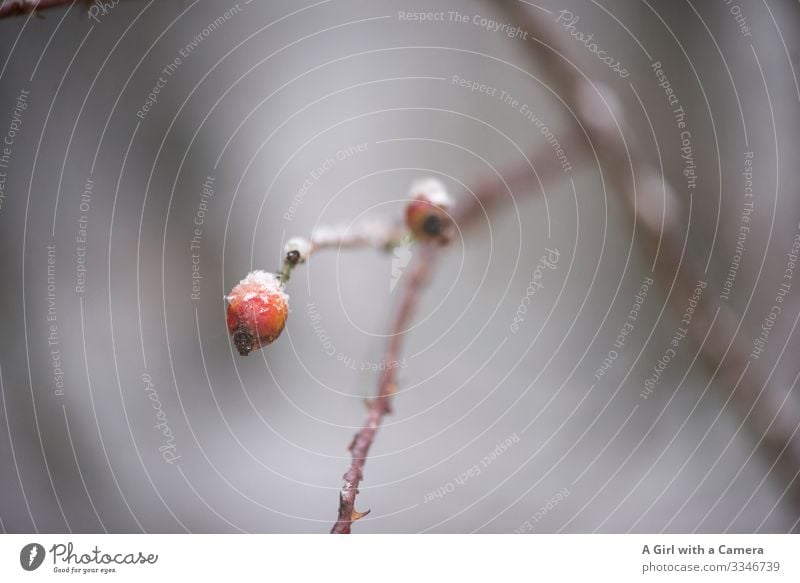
{"points": [[257, 310], [427, 214]]}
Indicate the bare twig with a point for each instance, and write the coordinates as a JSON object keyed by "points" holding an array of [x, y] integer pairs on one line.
{"points": [[20, 7], [772, 418], [380, 406], [379, 235], [521, 179]]}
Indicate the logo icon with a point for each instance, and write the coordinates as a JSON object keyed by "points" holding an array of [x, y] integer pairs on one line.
{"points": [[400, 258], [31, 556]]}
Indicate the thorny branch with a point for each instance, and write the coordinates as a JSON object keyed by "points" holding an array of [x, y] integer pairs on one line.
{"points": [[486, 197], [381, 405]]}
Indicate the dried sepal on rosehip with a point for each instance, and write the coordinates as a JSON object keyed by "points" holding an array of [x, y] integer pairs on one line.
{"points": [[257, 310], [427, 214], [297, 250]]}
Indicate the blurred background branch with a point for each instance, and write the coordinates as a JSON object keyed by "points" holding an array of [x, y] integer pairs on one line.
{"points": [[20, 7], [771, 413]]}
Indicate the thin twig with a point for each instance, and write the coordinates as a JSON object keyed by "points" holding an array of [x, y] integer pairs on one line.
{"points": [[523, 179], [519, 180], [20, 7], [381, 405], [379, 235], [382, 235]]}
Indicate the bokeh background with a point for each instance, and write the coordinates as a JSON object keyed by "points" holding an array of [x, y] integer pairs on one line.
{"points": [[125, 407]]}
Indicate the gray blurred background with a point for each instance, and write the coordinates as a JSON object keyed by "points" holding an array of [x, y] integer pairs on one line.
{"points": [[493, 430]]}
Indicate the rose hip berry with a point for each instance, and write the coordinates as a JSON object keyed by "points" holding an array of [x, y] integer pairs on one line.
{"points": [[427, 213], [257, 310]]}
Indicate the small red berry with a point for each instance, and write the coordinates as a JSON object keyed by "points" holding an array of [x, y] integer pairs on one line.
{"points": [[427, 214], [257, 310]]}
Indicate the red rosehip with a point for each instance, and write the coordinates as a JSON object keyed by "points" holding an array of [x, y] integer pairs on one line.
{"points": [[426, 215], [257, 310]]}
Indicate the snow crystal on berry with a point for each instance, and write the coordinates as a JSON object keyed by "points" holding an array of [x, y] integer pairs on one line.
{"points": [[431, 190], [259, 282]]}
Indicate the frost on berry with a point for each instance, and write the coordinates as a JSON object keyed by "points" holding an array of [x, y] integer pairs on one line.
{"points": [[427, 213], [257, 310], [431, 190]]}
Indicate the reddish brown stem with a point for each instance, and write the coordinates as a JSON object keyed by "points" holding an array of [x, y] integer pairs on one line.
{"points": [[20, 7], [381, 405], [519, 180], [523, 179], [372, 234]]}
